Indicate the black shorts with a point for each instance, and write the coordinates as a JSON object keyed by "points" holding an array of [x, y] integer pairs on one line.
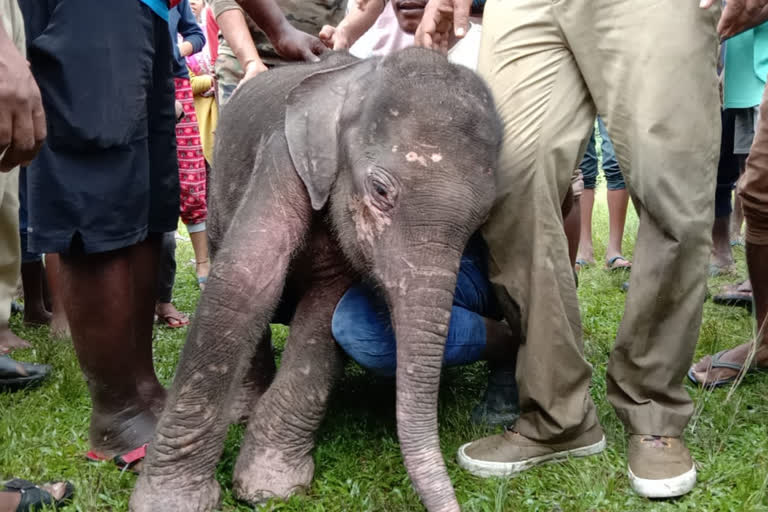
{"points": [[107, 175]]}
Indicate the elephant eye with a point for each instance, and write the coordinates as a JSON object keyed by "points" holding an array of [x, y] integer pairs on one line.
{"points": [[380, 189]]}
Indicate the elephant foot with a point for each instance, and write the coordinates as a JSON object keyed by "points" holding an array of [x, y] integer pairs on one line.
{"points": [[155, 496], [116, 433], [265, 473]]}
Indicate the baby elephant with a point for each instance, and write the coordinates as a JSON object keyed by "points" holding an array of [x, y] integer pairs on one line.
{"points": [[326, 173]]}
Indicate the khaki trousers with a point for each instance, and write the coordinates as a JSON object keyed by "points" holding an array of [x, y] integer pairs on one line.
{"points": [[753, 184], [649, 69], [10, 247]]}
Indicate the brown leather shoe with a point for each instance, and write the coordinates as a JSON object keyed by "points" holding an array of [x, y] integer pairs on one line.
{"points": [[660, 467], [511, 453]]}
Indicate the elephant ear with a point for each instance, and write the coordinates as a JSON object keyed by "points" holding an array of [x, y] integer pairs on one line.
{"points": [[313, 123]]}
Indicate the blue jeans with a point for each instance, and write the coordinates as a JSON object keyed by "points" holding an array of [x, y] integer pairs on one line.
{"points": [[361, 323], [613, 178]]}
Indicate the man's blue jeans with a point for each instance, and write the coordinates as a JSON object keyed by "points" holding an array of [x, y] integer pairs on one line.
{"points": [[361, 323]]}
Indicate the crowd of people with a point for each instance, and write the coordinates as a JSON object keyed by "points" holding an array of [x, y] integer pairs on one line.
{"points": [[108, 118]]}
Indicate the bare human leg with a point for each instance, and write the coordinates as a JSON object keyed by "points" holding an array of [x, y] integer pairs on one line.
{"points": [[573, 227], [617, 216], [103, 286], [758, 273], [147, 255], [32, 277], [722, 257], [200, 246], [586, 252], [59, 323]]}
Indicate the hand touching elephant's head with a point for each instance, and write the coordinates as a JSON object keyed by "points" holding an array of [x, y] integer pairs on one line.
{"points": [[404, 149]]}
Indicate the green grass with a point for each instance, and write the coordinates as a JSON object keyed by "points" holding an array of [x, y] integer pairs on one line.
{"points": [[43, 432]]}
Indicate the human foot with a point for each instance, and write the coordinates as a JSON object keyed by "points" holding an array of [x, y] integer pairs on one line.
{"points": [[37, 316], [168, 315], [724, 367], [116, 433], [585, 257], [9, 341], [262, 473], [617, 262], [660, 467], [202, 268], [21, 494], [510, 453], [739, 294], [59, 326]]}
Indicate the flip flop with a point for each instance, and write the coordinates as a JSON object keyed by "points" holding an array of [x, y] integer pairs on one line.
{"points": [[166, 320], [34, 497], [126, 462], [733, 297], [16, 375], [611, 264], [580, 264], [717, 363]]}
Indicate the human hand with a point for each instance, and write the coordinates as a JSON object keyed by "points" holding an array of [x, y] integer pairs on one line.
{"points": [[334, 38], [22, 119], [252, 68], [186, 49], [739, 15], [293, 44], [440, 16], [363, 4]]}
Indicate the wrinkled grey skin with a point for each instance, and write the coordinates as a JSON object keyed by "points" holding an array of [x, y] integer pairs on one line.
{"points": [[324, 172]]}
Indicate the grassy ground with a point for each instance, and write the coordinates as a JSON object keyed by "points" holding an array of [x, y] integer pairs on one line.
{"points": [[43, 433]]}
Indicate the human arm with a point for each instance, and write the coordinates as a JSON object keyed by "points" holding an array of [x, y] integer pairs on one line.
{"points": [[739, 15], [352, 27], [289, 42], [194, 39], [22, 120], [442, 20], [235, 31]]}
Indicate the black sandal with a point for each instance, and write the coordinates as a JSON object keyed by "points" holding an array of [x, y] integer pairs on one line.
{"points": [[34, 497], [16, 374]]}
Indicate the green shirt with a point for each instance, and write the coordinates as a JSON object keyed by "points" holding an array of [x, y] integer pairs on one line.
{"points": [[746, 68]]}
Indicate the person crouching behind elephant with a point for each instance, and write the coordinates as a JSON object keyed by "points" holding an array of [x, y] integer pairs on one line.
{"points": [[361, 326]]}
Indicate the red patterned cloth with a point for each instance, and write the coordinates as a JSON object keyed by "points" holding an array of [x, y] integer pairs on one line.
{"points": [[194, 208]]}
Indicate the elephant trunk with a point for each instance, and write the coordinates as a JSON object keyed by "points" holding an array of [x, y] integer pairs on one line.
{"points": [[421, 309]]}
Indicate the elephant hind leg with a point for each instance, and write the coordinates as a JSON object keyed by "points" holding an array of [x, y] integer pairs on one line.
{"points": [[275, 459]]}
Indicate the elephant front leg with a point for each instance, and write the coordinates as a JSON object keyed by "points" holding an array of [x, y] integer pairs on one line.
{"points": [[243, 289], [275, 459]]}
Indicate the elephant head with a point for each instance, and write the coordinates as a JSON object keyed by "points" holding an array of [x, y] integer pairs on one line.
{"points": [[403, 150]]}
